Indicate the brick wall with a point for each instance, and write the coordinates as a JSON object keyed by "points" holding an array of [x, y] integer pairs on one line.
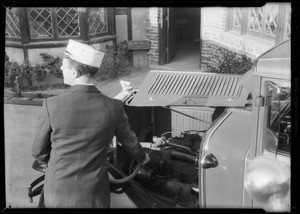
{"points": [[154, 22], [214, 35]]}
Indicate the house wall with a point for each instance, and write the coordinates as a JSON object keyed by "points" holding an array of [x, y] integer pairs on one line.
{"points": [[139, 33], [214, 35], [15, 55], [139, 23], [121, 24]]}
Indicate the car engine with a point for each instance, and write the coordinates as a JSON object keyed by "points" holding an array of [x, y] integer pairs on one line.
{"points": [[171, 174]]}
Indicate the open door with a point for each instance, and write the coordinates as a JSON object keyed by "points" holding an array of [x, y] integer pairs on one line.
{"points": [[171, 33], [168, 36]]}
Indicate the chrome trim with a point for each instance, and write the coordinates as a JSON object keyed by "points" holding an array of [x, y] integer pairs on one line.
{"points": [[245, 167]]}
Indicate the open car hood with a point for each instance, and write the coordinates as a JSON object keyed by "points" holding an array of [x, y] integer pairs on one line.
{"points": [[183, 88]]}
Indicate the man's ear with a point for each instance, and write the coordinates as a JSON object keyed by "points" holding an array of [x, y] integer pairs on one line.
{"points": [[75, 73]]}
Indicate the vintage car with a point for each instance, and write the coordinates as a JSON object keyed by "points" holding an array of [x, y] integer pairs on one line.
{"points": [[215, 140]]}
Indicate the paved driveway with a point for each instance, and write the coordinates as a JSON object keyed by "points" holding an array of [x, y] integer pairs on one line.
{"points": [[19, 124]]}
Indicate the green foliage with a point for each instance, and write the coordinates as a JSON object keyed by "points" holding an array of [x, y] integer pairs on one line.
{"points": [[17, 75], [231, 62], [11, 71], [52, 65], [115, 61]]}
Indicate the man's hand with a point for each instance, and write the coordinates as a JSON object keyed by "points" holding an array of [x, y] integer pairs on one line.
{"points": [[147, 158]]}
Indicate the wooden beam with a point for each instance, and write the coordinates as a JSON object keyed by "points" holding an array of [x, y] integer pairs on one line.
{"points": [[129, 23]]}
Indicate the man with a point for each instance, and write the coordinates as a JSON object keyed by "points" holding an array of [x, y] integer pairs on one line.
{"points": [[73, 132]]}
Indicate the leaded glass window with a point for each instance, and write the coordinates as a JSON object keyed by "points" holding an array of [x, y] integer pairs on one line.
{"points": [[35, 24], [237, 18], [255, 20], [97, 20], [264, 20], [67, 22], [272, 21], [40, 23], [12, 29]]}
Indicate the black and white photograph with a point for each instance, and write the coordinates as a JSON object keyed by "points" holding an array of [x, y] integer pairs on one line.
{"points": [[178, 107]]}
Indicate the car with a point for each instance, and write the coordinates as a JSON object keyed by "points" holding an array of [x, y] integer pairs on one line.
{"points": [[214, 140]]}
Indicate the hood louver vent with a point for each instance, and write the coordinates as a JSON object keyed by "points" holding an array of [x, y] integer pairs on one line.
{"points": [[164, 88], [194, 85]]}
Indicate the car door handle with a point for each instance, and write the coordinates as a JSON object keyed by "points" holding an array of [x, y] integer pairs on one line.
{"points": [[209, 161]]}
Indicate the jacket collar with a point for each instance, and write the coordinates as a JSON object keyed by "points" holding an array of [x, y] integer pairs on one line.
{"points": [[85, 88]]}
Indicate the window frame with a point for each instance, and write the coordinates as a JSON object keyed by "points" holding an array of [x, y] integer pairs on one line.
{"points": [[243, 31], [83, 26]]}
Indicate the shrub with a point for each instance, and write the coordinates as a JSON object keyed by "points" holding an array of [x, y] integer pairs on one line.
{"points": [[115, 62], [231, 62], [16, 75], [11, 71], [52, 65]]}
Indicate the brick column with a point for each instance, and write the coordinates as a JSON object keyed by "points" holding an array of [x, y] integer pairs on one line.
{"points": [[154, 23]]}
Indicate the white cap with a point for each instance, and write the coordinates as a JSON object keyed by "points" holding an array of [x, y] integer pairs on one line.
{"points": [[84, 54]]}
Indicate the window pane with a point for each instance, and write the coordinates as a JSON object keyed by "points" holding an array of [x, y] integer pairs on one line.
{"points": [[237, 18], [255, 20], [271, 18], [40, 23], [97, 21], [12, 29], [280, 118], [67, 22]]}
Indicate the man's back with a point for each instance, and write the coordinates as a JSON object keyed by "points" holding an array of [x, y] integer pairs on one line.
{"points": [[83, 123]]}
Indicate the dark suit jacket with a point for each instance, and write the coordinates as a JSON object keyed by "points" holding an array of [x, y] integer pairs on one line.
{"points": [[72, 135]]}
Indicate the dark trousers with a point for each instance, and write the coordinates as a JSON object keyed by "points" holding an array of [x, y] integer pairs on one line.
{"points": [[41, 203]]}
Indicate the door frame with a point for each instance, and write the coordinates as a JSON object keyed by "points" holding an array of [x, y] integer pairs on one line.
{"points": [[163, 36]]}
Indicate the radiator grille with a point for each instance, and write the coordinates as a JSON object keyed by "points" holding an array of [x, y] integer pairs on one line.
{"points": [[181, 123]]}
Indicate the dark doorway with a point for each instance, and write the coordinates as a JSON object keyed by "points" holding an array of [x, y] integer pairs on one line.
{"points": [[180, 38]]}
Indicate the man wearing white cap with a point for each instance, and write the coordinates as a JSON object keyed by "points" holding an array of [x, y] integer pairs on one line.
{"points": [[73, 132]]}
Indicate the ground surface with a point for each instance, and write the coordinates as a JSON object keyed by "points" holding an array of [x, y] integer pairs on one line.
{"points": [[20, 121]]}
